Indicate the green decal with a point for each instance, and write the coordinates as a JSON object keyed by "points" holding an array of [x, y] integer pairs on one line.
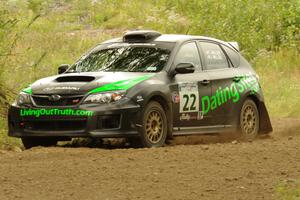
{"points": [[205, 104], [121, 85], [54, 112], [27, 90], [232, 92]]}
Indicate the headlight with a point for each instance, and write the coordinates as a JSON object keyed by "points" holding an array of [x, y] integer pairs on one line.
{"points": [[106, 97], [23, 99]]}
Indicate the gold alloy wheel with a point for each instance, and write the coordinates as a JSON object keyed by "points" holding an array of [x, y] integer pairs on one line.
{"points": [[154, 127], [249, 120]]}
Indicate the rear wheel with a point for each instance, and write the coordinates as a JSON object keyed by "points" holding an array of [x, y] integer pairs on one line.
{"points": [[154, 130], [30, 142], [249, 120]]}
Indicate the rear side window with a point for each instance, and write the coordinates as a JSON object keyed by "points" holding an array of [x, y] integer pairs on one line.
{"points": [[233, 56], [213, 56], [188, 53]]}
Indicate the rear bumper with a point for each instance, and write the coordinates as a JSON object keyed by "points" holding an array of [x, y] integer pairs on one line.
{"points": [[117, 120]]}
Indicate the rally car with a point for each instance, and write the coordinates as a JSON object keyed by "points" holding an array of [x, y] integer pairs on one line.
{"points": [[144, 85]]}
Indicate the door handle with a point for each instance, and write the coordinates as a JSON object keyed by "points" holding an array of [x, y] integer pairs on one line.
{"points": [[205, 82], [237, 78]]}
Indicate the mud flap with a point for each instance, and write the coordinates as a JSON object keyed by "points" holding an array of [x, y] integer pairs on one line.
{"points": [[265, 125]]}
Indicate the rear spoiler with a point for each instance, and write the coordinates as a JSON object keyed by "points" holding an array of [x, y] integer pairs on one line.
{"points": [[235, 45]]}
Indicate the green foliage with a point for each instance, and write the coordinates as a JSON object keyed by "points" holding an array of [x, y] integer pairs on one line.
{"points": [[7, 24], [35, 5], [289, 190], [257, 24], [6, 142]]}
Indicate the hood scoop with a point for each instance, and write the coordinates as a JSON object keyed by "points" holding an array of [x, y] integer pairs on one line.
{"points": [[75, 79]]}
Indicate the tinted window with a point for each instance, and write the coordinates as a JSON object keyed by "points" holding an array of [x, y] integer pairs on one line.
{"points": [[125, 59], [233, 56], [188, 53], [214, 56]]}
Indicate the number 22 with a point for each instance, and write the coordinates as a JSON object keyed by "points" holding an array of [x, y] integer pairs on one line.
{"points": [[187, 98]]}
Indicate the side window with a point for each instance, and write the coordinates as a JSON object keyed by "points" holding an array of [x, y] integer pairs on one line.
{"points": [[188, 53], [233, 56], [214, 56]]}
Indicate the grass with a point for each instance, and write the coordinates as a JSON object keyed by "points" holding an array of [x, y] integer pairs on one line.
{"points": [[280, 79], [289, 190]]}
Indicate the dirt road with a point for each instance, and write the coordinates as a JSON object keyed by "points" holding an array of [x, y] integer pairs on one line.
{"points": [[180, 171]]}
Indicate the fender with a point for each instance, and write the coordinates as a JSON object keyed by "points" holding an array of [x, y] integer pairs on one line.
{"points": [[159, 92]]}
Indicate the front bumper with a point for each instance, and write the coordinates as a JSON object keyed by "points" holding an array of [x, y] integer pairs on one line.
{"points": [[111, 120]]}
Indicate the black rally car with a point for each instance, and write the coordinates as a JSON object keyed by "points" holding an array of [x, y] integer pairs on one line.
{"points": [[144, 85]]}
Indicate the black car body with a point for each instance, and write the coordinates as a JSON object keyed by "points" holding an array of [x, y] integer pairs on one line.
{"points": [[194, 85]]}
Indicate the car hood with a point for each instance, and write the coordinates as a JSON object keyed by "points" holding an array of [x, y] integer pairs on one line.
{"points": [[87, 82]]}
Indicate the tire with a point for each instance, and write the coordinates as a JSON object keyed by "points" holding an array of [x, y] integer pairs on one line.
{"points": [[249, 121], [154, 129], [30, 142]]}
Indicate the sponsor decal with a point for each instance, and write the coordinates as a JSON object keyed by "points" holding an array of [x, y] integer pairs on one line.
{"points": [[231, 92], [191, 116], [175, 97], [61, 88], [139, 98], [185, 116], [189, 97], [54, 112], [190, 102], [200, 115]]}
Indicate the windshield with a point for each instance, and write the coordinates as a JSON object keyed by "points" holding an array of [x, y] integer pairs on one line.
{"points": [[124, 59]]}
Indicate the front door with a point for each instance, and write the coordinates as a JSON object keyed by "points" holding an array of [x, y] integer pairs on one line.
{"points": [[188, 90]]}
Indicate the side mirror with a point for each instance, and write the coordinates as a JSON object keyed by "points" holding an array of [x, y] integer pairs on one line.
{"points": [[63, 68], [184, 68]]}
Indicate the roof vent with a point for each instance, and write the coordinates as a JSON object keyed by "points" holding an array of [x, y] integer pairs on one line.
{"points": [[140, 36]]}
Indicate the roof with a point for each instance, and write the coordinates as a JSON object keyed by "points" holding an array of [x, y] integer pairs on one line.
{"points": [[156, 36]]}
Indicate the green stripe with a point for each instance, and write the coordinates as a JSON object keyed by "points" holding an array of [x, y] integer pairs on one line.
{"points": [[27, 90], [121, 85]]}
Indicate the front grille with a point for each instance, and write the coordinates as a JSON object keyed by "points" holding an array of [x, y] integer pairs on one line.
{"points": [[46, 100], [54, 125]]}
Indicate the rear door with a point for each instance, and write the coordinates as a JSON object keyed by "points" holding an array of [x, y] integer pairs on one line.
{"points": [[187, 89], [222, 76]]}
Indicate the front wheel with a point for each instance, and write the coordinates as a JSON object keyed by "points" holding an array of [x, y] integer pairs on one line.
{"points": [[30, 142], [249, 120], [154, 129]]}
